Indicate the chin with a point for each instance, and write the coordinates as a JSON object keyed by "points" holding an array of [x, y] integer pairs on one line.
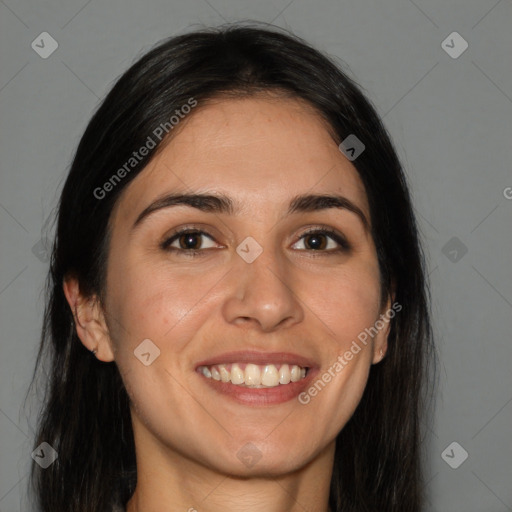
{"points": [[262, 460]]}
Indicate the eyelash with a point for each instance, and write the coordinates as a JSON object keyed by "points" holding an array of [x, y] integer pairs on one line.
{"points": [[344, 246]]}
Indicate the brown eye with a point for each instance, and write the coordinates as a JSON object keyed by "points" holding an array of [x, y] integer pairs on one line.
{"points": [[323, 240], [316, 241], [188, 241]]}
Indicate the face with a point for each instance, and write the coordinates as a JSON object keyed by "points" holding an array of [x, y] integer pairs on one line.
{"points": [[230, 300]]}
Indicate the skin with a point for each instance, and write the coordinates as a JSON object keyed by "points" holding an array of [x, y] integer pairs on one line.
{"points": [[261, 152]]}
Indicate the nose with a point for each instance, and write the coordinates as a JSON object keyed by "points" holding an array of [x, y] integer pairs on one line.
{"points": [[262, 293]]}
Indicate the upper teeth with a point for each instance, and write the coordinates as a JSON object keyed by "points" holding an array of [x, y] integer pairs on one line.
{"points": [[254, 375]]}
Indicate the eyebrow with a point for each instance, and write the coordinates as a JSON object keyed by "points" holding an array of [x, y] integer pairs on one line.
{"points": [[220, 203]]}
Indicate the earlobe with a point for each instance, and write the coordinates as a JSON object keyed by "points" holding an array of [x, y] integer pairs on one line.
{"points": [[89, 321], [379, 355], [381, 339]]}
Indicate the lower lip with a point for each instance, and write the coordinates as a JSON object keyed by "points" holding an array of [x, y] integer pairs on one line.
{"points": [[261, 396]]}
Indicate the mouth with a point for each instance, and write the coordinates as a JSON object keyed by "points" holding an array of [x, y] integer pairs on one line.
{"points": [[257, 378]]}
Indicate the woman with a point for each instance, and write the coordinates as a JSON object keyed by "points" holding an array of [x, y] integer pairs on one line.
{"points": [[238, 315]]}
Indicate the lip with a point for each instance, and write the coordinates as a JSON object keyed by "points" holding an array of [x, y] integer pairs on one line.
{"points": [[260, 396]]}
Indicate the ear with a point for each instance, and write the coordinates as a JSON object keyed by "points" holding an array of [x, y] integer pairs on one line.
{"points": [[91, 326], [383, 324]]}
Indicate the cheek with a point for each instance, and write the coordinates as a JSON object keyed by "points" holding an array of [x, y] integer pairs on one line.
{"points": [[152, 301], [347, 301], [350, 306]]}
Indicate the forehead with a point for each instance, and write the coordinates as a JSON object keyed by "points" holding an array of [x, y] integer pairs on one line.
{"points": [[259, 150]]}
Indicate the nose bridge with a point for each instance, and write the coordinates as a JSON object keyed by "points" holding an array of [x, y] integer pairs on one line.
{"points": [[261, 290]]}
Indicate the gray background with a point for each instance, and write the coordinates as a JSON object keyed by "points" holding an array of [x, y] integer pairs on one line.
{"points": [[450, 119]]}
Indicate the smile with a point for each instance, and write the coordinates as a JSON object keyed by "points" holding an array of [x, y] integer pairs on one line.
{"points": [[254, 375]]}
